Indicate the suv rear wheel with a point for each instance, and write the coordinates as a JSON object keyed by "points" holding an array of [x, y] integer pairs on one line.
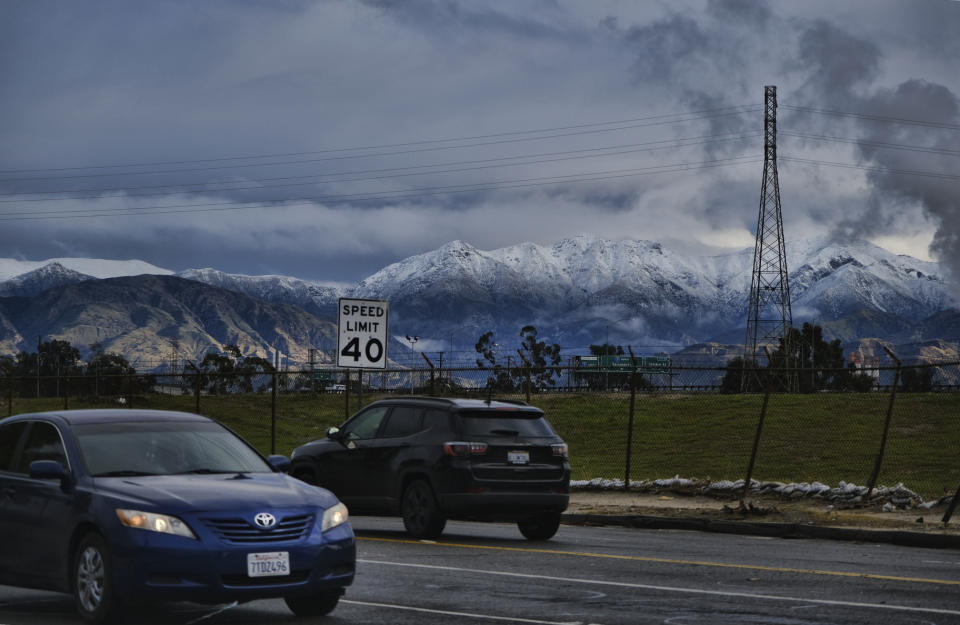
{"points": [[421, 515], [540, 527]]}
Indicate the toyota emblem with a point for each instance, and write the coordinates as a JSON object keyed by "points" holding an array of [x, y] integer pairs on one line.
{"points": [[265, 520]]}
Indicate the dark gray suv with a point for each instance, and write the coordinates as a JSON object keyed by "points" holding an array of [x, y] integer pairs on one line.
{"points": [[429, 460]]}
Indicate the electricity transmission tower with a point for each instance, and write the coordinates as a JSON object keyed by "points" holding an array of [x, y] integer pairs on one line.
{"points": [[769, 317]]}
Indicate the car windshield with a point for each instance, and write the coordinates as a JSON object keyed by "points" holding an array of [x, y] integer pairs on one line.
{"points": [[165, 448], [504, 423]]}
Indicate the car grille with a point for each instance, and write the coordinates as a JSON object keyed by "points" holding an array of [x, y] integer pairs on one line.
{"points": [[237, 581], [239, 531]]}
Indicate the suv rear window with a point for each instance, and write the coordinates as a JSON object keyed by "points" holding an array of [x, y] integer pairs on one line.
{"points": [[498, 422]]}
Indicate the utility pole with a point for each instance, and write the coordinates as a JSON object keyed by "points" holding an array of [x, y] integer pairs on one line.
{"points": [[39, 338], [769, 317]]}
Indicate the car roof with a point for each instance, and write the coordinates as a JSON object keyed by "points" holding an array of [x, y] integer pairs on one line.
{"points": [[109, 415], [461, 403]]}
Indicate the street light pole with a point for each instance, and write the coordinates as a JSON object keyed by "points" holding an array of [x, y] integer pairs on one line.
{"points": [[413, 341]]}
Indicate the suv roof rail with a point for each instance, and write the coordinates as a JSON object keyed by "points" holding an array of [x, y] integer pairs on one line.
{"points": [[518, 402], [445, 400]]}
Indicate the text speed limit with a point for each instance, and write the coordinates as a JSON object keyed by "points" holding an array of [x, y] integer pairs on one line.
{"points": [[362, 337]]}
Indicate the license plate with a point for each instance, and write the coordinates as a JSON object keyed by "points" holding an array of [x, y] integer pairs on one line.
{"points": [[518, 457], [268, 564]]}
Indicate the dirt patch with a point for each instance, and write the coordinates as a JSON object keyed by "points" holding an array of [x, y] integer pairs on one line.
{"points": [[762, 509]]}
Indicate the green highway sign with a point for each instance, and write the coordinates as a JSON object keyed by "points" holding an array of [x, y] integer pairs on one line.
{"points": [[622, 364]]}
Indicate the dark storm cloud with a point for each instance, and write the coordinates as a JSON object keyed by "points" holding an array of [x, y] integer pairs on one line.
{"points": [[754, 13], [835, 61], [841, 69], [699, 59], [448, 16]]}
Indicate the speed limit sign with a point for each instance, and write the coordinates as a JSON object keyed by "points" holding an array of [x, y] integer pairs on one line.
{"points": [[362, 340]]}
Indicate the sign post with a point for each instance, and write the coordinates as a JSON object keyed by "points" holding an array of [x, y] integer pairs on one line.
{"points": [[362, 334]]}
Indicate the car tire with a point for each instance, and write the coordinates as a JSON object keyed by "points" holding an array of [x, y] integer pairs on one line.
{"points": [[93, 590], [541, 526], [306, 475], [317, 604], [421, 514]]}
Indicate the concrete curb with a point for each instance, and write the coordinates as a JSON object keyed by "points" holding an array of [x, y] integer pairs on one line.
{"points": [[777, 530]]}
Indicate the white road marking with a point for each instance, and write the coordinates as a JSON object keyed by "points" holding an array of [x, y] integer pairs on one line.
{"points": [[696, 591], [491, 617]]}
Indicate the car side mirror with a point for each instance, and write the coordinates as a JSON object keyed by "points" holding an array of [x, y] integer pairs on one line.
{"points": [[334, 433], [49, 470], [280, 463]]}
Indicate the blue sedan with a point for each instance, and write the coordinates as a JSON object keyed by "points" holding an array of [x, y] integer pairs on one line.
{"points": [[120, 507]]}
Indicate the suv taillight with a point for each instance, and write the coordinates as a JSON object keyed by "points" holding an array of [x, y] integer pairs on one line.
{"points": [[559, 449], [459, 448]]}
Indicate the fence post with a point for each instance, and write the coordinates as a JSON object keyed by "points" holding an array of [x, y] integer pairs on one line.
{"points": [[346, 396], [633, 397], [433, 389], [952, 507], [756, 438], [66, 393], [196, 386], [273, 413], [10, 397], [886, 426], [359, 388]]}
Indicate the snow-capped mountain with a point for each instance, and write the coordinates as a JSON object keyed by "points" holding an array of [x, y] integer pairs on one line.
{"points": [[315, 298], [95, 267], [586, 290], [48, 276]]}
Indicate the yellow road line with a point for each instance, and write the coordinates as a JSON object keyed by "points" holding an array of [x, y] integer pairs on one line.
{"points": [[613, 556]]}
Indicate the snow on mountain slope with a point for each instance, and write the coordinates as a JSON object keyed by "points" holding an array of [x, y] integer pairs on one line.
{"points": [[580, 285], [98, 268], [45, 277], [585, 288], [313, 296]]}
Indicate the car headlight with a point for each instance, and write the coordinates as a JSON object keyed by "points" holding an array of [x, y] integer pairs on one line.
{"points": [[154, 522], [334, 516]]}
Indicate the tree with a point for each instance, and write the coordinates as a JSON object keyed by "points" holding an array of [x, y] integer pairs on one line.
{"points": [[113, 375], [231, 371], [817, 364], [916, 379], [606, 350], [501, 379], [42, 372], [738, 370], [539, 358]]}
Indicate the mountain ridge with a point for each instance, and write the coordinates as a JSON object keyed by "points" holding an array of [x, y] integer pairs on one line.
{"points": [[584, 290]]}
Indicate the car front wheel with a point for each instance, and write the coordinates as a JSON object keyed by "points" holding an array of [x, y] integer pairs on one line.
{"points": [[317, 604], [540, 527], [93, 581], [421, 515]]}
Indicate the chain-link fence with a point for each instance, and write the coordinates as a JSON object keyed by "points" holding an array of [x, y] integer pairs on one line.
{"points": [[886, 426]]}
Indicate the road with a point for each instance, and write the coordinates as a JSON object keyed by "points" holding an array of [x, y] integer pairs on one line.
{"points": [[487, 573]]}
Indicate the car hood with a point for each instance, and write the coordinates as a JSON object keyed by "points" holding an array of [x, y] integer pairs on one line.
{"points": [[200, 493]]}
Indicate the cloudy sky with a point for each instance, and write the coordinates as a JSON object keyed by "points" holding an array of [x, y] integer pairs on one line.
{"points": [[326, 139]]}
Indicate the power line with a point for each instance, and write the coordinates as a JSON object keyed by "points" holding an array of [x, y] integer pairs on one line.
{"points": [[380, 196], [879, 118], [882, 170], [878, 144], [683, 117], [535, 160]]}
